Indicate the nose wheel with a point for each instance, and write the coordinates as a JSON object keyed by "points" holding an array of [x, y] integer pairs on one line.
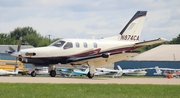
{"points": [[33, 74]]}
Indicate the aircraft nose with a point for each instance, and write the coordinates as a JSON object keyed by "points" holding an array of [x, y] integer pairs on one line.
{"points": [[16, 54]]}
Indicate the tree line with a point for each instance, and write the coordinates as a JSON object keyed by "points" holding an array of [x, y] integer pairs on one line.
{"points": [[31, 37]]}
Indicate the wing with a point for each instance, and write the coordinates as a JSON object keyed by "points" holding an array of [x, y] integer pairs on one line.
{"points": [[102, 59], [150, 42]]}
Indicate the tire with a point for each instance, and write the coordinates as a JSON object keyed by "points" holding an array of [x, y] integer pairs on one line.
{"points": [[33, 74], [52, 73], [90, 76]]}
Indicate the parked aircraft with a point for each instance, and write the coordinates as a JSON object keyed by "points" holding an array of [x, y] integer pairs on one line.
{"points": [[39, 71], [91, 52], [109, 72], [5, 72], [166, 71], [135, 72], [84, 71]]}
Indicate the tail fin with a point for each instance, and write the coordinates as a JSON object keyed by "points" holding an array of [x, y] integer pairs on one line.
{"points": [[158, 71], [132, 30], [119, 68]]}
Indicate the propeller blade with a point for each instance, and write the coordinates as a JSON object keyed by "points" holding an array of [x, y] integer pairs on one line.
{"points": [[19, 44]]}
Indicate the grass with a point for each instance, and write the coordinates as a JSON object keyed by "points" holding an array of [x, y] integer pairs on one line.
{"points": [[37, 90]]}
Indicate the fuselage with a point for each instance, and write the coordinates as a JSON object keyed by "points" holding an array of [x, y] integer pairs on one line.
{"points": [[77, 47], [61, 50]]}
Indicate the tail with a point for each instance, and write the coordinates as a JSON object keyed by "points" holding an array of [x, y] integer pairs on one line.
{"points": [[119, 68], [132, 30], [158, 71]]}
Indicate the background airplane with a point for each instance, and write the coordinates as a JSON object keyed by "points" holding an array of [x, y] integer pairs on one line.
{"points": [[109, 72], [84, 71], [165, 71], [39, 71], [91, 52], [5, 72], [136, 72]]}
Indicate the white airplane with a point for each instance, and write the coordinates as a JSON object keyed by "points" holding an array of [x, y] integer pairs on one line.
{"points": [[91, 52], [136, 72], [5, 72], [109, 72], [39, 71], [166, 71]]}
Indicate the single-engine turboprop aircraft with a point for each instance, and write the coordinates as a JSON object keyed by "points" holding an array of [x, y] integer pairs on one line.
{"points": [[91, 52]]}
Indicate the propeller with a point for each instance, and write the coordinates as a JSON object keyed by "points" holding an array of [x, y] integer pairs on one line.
{"points": [[19, 44], [18, 49]]}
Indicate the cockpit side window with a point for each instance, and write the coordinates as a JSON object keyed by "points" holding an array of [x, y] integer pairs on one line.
{"points": [[68, 45], [58, 43]]}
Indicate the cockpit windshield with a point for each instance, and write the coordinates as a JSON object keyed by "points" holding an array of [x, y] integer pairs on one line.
{"points": [[58, 43]]}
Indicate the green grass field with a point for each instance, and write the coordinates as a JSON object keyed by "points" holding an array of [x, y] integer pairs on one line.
{"points": [[30, 90]]}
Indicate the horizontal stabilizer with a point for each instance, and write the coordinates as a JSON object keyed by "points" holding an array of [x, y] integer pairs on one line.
{"points": [[150, 42]]}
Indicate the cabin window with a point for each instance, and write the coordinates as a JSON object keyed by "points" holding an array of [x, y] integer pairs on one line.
{"points": [[85, 45], [95, 45], [68, 45], [77, 45], [58, 43]]}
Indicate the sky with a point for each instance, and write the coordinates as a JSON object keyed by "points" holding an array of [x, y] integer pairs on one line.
{"points": [[90, 18]]}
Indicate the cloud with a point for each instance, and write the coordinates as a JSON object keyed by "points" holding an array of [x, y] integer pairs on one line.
{"points": [[84, 19]]}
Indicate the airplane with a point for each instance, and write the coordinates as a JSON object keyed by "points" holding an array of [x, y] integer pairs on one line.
{"points": [[39, 71], [109, 72], [91, 52], [5, 72], [166, 71], [84, 71], [135, 72], [80, 72]]}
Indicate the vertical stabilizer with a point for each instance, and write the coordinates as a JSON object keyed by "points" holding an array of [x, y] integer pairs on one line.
{"points": [[132, 30], [158, 71], [119, 68]]}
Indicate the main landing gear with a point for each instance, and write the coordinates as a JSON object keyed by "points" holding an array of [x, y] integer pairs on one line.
{"points": [[52, 73], [91, 72], [52, 70], [90, 75]]}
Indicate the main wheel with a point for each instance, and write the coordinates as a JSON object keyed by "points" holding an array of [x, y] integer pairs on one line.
{"points": [[90, 76], [52, 73], [33, 74]]}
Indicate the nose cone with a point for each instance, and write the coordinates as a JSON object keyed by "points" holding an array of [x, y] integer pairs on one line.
{"points": [[16, 54]]}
